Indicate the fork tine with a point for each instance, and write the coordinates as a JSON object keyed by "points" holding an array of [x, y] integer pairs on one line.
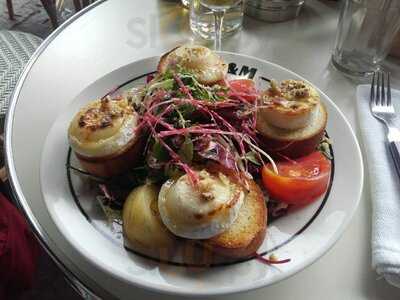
{"points": [[388, 92], [383, 95], [377, 92], [372, 93]]}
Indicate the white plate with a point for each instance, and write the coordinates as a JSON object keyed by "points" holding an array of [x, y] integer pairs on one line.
{"points": [[303, 235]]}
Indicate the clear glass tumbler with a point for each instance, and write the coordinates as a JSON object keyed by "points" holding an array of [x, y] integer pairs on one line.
{"points": [[366, 30], [202, 21]]}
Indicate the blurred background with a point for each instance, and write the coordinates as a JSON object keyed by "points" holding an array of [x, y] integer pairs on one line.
{"points": [[37, 16]]}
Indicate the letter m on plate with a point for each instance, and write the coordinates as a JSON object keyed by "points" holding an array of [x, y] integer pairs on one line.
{"points": [[245, 71]]}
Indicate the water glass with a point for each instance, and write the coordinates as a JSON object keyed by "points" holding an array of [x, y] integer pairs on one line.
{"points": [[365, 32], [202, 21]]}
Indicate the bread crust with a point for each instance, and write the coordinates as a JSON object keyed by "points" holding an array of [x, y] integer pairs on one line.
{"points": [[116, 163], [246, 235]]}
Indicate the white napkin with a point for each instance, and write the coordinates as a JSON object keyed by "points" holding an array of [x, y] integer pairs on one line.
{"points": [[385, 189]]}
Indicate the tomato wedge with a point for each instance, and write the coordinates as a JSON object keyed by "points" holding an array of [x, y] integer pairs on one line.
{"points": [[245, 88], [299, 182]]}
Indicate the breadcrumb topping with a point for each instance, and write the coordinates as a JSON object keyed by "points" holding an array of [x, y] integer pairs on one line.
{"points": [[291, 95], [102, 113]]}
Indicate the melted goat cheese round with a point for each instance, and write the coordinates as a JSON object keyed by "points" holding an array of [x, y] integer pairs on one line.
{"points": [[201, 211], [103, 127], [288, 105], [203, 63]]}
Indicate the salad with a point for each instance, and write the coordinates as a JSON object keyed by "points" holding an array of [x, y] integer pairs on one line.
{"points": [[196, 157]]}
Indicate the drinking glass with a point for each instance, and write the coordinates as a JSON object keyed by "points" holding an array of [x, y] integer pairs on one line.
{"points": [[219, 8], [365, 32], [202, 21]]}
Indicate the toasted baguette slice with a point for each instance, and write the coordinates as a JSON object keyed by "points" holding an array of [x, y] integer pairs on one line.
{"points": [[293, 143], [115, 164], [247, 233]]}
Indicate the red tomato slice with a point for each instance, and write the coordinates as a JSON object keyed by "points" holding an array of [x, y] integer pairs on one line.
{"points": [[299, 182], [245, 88]]}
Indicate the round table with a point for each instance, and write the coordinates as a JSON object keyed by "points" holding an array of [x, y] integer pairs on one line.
{"points": [[110, 34]]}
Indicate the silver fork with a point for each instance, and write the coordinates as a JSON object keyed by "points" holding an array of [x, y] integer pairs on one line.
{"points": [[382, 109]]}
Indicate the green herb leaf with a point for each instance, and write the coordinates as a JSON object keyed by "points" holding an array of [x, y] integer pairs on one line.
{"points": [[186, 150], [159, 152], [324, 147], [251, 156]]}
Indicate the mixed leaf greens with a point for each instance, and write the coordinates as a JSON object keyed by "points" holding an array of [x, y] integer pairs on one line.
{"points": [[189, 123]]}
